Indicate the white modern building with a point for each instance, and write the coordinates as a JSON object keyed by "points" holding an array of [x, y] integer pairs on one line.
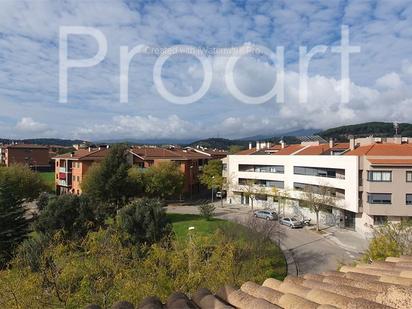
{"points": [[370, 179]]}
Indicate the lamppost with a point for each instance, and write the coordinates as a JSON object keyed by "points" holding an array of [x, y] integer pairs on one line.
{"points": [[213, 178], [191, 184]]}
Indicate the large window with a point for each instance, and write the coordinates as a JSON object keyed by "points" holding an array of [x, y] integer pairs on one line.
{"points": [[262, 183], [408, 199], [279, 169], [324, 190], [379, 198], [409, 176], [319, 172], [380, 176], [380, 220]]}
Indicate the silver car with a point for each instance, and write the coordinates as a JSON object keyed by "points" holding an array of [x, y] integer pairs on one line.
{"points": [[291, 222], [266, 214]]}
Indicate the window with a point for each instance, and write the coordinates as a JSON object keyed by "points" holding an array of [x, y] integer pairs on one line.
{"points": [[379, 198], [279, 169], [224, 166], [409, 176], [319, 172], [57, 163], [261, 197], [57, 176], [380, 220], [380, 176], [408, 199], [78, 178], [262, 183]]}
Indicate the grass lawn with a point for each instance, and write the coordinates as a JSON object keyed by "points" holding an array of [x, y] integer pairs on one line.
{"points": [[181, 223], [271, 258], [48, 178]]}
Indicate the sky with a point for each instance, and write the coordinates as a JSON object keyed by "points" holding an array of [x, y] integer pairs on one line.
{"points": [[380, 74]]}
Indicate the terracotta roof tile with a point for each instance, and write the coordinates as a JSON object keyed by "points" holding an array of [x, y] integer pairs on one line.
{"points": [[397, 162], [315, 150], [85, 154], [289, 149], [148, 153], [36, 146], [382, 150], [385, 284]]}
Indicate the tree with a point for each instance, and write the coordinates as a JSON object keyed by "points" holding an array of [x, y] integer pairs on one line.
{"points": [[72, 215], [163, 180], [281, 196], [212, 175], [42, 201], [207, 210], [317, 199], [17, 185], [108, 182], [250, 189], [144, 221], [235, 149], [390, 240]]}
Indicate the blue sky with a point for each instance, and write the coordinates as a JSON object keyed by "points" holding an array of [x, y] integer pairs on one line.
{"points": [[381, 74]]}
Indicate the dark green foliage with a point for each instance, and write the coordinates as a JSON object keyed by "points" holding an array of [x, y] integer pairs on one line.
{"points": [[383, 129], [207, 211], [108, 182], [30, 251], [43, 200], [144, 221], [212, 174], [17, 184], [73, 215]]}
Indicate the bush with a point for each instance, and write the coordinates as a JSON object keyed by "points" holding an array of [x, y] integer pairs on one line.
{"points": [[42, 201], [144, 221], [73, 215], [207, 211], [390, 240], [30, 251]]}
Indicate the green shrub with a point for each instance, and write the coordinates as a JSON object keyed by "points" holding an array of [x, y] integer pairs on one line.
{"points": [[207, 211], [390, 240]]}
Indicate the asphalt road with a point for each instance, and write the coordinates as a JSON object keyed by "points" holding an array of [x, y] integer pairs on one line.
{"points": [[312, 252]]}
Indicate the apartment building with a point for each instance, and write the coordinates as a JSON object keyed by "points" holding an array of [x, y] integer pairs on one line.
{"points": [[70, 168], [370, 179], [189, 161], [34, 156]]}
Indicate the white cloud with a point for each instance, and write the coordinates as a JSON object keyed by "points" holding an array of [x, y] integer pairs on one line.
{"points": [[28, 125], [381, 77]]}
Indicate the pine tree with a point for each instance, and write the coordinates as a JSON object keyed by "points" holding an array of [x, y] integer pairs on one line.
{"points": [[13, 223]]}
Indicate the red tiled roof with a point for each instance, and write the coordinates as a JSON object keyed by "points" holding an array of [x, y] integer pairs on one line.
{"points": [[389, 162], [382, 150], [84, 154], [340, 146], [289, 149], [163, 153], [24, 146], [314, 150]]}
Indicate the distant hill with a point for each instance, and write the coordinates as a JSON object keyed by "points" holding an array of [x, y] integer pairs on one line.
{"points": [[382, 129], [43, 141], [220, 143]]}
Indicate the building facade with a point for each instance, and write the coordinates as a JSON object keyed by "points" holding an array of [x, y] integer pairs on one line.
{"points": [[370, 184], [35, 156]]}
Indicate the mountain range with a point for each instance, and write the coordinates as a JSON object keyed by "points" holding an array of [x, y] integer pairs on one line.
{"points": [[338, 133]]}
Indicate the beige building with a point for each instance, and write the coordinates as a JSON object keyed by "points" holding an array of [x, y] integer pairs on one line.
{"points": [[370, 179]]}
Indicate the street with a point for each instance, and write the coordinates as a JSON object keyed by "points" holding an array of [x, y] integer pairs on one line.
{"points": [[311, 252]]}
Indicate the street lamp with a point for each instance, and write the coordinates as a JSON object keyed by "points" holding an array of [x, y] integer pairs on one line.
{"points": [[213, 178]]}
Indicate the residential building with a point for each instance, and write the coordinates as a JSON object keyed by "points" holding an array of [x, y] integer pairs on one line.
{"points": [[370, 179], [213, 153], [70, 168], [34, 156], [189, 161]]}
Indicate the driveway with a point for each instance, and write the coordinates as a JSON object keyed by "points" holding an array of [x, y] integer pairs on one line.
{"points": [[311, 252]]}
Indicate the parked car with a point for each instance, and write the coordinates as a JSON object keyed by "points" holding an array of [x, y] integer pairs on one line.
{"points": [[266, 214], [291, 222], [221, 194]]}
